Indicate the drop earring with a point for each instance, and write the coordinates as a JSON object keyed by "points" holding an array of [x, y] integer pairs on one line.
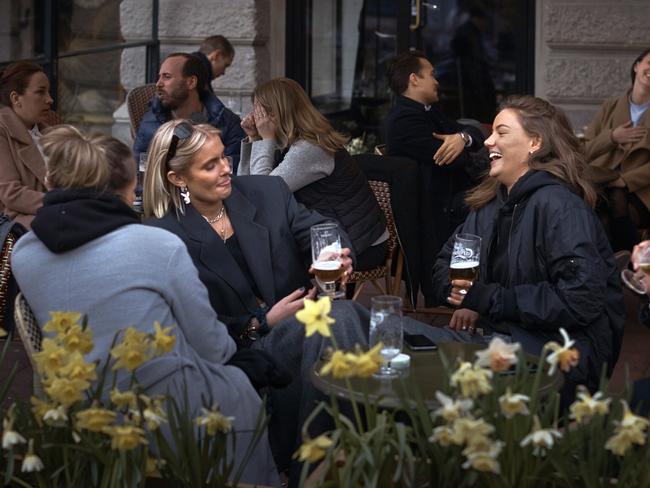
{"points": [[185, 193]]}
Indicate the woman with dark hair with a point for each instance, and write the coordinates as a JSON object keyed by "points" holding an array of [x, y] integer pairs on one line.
{"points": [[26, 102], [545, 260], [618, 150], [89, 253], [289, 138]]}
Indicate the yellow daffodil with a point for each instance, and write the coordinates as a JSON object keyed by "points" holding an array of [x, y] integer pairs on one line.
{"points": [[512, 405], [340, 365], [484, 460], [472, 380], [77, 369], [541, 439], [313, 450], [60, 322], [315, 316], [123, 399], [451, 409], [31, 463], [587, 407], [77, 339], [153, 466], [368, 363], [56, 416], [133, 351], [66, 391], [95, 419], [51, 358], [163, 340], [563, 355], [443, 435], [629, 431], [10, 437], [499, 355], [125, 437], [214, 421], [3, 333], [467, 430]]}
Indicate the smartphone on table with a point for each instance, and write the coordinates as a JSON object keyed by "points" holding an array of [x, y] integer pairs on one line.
{"points": [[419, 342]]}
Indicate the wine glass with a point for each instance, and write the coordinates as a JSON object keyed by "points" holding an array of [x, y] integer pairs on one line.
{"points": [[326, 258], [465, 258], [386, 327], [634, 280]]}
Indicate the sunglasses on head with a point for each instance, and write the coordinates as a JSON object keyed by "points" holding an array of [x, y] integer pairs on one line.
{"points": [[181, 132]]}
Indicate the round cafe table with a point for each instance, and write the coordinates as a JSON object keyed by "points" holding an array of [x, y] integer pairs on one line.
{"points": [[424, 377]]}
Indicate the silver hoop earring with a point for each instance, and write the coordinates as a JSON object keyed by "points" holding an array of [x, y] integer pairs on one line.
{"points": [[185, 193]]}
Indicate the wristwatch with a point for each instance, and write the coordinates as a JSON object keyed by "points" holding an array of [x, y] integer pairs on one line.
{"points": [[251, 332], [467, 139]]}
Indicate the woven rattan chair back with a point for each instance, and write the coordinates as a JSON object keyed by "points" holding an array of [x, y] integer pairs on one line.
{"points": [[28, 329], [381, 190], [137, 102]]}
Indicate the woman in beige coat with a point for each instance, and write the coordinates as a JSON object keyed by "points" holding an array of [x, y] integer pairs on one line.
{"points": [[618, 149], [26, 102]]}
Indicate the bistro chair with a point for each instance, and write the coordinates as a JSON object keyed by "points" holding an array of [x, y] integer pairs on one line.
{"points": [[381, 190], [137, 102], [30, 335]]}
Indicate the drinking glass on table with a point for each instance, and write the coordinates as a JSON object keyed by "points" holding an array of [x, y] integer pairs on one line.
{"points": [[465, 258], [386, 327], [326, 258], [634, 279], [142, 166]]}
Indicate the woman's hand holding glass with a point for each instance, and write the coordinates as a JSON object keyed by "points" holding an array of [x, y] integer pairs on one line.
{"points": [[464, 266], [637, 280]]}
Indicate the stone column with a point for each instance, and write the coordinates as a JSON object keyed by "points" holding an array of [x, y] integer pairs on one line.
{"points": [[584, 51]]}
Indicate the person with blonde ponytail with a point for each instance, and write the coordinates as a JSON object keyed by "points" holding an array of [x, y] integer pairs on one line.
{"points": [[289, 138], [545, 260], [89, 253]]}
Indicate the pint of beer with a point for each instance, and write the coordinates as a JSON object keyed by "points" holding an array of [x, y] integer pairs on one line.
{"points": [[465, 257], [326, 258]]}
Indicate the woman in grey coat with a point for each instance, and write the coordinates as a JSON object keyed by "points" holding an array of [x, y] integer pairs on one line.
{"points": [[88, 253]]}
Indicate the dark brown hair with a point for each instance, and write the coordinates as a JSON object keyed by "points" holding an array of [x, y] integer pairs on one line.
{"points": [[637, 61], [15, 77], [560, 154], [399, 70], [193, 67]]}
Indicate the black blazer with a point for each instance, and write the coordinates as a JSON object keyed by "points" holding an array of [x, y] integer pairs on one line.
{"points": [[273, 231]]}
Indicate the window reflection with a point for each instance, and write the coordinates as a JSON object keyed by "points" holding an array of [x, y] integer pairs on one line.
{"points": [[20, 29]]}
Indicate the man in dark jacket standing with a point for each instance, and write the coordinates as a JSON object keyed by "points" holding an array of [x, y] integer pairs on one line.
{"points": [[416, 129], [182, 93]]}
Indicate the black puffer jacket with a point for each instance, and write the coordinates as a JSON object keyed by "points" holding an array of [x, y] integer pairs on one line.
{"points": [[559, 271]]}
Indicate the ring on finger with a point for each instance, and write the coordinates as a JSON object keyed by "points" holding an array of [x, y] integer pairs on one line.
{"points": [[463, 291]]}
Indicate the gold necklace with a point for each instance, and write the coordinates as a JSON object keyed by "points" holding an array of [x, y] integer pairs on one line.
{"points": [[218, 217]]}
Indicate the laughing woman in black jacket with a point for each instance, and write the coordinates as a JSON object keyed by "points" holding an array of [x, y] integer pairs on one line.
{"points": [[545, 260]]}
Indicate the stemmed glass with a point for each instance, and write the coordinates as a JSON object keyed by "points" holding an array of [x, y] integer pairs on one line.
{"points": [[326, 258], [386, 327], [465, 258], [634, 280]]}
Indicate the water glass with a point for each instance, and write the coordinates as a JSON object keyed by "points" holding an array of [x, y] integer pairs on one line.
{"points": [[386, 327]]}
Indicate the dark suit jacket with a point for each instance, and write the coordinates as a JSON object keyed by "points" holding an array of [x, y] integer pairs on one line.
{"points": [[441, 188], [273, 231]]}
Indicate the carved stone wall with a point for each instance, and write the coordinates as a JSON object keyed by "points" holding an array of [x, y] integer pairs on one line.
{"points": [[250, 25], [584, 51]]}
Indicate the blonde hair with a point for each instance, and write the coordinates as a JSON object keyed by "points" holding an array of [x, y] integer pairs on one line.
{"points": [[295, 116], [561, 153], [78, 160], [160, 194]]}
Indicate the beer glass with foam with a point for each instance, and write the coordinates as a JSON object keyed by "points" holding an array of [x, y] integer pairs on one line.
{"points": [[326, 258], [634, 280], [465, 258]]}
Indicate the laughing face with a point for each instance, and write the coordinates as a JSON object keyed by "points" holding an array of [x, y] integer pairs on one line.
{"points": [[642, 72], [510, 148]]}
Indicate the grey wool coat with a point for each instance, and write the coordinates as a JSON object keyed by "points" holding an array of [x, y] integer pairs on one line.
{"points": [[133, 276]]}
